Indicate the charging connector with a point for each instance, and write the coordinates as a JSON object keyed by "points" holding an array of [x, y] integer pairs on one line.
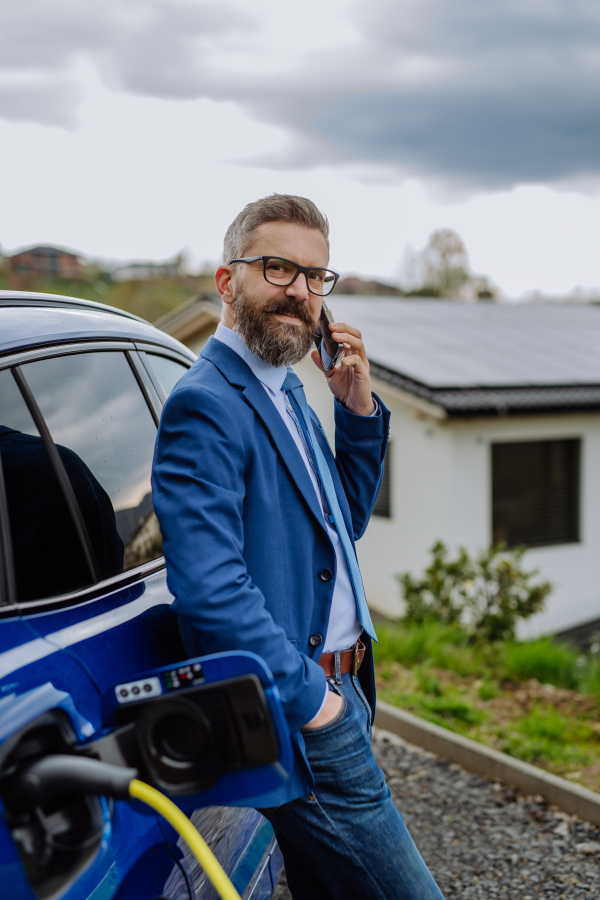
{"points": [[40, 782]]}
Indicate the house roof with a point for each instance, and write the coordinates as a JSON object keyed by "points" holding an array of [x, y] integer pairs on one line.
{"points": [[45, 251], [482, 358]]}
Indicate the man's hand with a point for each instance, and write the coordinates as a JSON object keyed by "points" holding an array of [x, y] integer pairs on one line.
{"points": [[331, 708], [350, 382]]}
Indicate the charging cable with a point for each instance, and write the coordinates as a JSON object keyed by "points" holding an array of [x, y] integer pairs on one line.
{"points": [[53, 775], [180, 822]]}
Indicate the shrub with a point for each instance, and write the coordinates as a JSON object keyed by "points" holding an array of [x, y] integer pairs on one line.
{"points": [[484, 595]]}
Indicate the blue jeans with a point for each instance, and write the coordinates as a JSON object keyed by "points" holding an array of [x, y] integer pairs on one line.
{"points": [[347, 839]]}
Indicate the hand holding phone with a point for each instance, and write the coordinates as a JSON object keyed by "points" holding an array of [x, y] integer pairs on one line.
{"points": [[329, 350]]}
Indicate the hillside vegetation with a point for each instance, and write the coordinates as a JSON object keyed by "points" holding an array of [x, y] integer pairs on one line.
{"points": [[148, 299]]}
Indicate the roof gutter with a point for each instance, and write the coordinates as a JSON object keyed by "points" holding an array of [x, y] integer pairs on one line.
{"points": [[494, 401]]}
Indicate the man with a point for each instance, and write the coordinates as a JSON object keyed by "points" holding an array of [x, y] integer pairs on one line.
{"points": [[258, 520]]}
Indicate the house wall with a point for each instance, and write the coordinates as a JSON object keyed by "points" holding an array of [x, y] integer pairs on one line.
{"points": [[572, 568], [441, 489]]}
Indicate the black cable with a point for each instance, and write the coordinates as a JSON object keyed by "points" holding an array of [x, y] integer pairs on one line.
{"points": [[174, 858]]}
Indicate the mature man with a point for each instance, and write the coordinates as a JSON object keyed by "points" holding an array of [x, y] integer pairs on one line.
{"points": [[259, 520]]}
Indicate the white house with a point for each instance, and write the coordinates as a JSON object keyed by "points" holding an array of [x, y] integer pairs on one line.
{"points": [[495, 434]]}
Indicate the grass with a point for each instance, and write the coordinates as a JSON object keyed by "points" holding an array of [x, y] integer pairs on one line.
{"points": [[536, 700], [549, 662]]}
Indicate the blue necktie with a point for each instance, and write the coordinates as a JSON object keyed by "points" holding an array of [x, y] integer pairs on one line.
{"points": [[293, 386]]}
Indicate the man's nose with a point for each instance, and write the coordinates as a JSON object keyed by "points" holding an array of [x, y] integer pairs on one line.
{"points": [[298, 288]]}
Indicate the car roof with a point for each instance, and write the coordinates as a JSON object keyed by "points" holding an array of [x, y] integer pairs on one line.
{"points": [[30, 319]]}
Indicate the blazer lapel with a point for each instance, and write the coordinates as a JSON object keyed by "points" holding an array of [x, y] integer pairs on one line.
{"points": [[239, 374]]}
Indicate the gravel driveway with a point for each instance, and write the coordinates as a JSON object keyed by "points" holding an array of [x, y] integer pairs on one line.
{"points": [[481, 840]]}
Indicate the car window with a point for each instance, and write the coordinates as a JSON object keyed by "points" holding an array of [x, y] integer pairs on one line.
{"points": [[93, 406], [168, 371], [47, 553]]}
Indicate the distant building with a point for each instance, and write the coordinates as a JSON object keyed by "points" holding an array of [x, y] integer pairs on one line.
{"points": [[148, 271], [45, 262], [495, 435]]}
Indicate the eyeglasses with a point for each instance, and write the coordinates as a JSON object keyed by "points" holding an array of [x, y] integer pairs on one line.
{"points": [[283, 272]]}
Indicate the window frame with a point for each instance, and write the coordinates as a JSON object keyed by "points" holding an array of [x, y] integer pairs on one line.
{"points": [[157, 350], [153, 400]]}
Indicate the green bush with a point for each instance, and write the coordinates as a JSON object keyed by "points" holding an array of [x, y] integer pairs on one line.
{"points": [[484, 595]]}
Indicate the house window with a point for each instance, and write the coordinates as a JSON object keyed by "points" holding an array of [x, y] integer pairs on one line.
{"points": [[383, 505], [535, 492]]}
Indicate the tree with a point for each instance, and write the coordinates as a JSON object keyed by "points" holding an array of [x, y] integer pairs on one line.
{"points": [[440, 269], [445, 263]]}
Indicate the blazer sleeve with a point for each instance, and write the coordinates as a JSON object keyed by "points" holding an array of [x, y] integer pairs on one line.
{"points": [[360, 447], [198, 486]]}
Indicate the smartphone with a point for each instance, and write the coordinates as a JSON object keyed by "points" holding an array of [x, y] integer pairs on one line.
{"points": [[329, 350]]}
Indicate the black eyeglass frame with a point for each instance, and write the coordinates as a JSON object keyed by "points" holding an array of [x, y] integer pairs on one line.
{"points": [[305, 270]]}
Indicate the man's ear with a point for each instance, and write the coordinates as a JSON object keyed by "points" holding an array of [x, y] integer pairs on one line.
{"points": [[223, 279]]}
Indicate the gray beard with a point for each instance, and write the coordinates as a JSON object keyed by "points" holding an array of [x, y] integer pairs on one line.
{"points": [[276, 343]]}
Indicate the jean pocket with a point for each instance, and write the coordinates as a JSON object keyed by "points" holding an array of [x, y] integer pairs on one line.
{"points": [[330, 725]]}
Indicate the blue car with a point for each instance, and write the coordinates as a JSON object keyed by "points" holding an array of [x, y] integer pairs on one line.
{"points": [[84, 603]]}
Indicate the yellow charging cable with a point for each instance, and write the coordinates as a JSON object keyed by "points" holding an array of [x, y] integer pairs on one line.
{"points": [[180, 822]]}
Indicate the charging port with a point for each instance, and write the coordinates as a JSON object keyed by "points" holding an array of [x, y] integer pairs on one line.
{"points": [[57, 839]]}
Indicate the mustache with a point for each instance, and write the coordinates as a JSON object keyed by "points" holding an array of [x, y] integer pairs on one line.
{"points": [[291, 307]]}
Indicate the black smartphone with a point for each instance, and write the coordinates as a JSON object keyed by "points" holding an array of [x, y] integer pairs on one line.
{"points": [[329, 350]]}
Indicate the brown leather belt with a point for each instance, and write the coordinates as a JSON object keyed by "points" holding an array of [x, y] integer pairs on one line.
{"points": [[349, 661]]}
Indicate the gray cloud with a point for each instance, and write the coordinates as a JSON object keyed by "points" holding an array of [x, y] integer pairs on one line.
{"points": [[474, 136], [486, 94], [150, 47], [49, 102], [480, 95]]}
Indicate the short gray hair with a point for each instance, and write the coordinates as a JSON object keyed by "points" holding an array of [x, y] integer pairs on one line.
{"points": [[275, 208]]}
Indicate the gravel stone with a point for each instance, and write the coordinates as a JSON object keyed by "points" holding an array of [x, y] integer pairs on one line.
{"points": [[482, 839]]}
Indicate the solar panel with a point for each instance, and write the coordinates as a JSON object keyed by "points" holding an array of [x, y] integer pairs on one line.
{"points": [[444, 343]]}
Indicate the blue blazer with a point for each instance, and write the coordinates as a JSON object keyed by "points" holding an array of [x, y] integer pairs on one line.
{"points": [[243, 533]]}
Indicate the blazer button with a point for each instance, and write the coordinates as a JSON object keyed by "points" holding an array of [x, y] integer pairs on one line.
{"points": [[325, 574], [315, 639]]}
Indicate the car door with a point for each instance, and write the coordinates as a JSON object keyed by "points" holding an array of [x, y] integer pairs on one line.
{"points": [[77, 431], [87, 403], [85, 596]]}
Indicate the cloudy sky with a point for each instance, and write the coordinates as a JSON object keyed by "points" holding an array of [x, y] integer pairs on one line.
{"points": [[135, 128]]}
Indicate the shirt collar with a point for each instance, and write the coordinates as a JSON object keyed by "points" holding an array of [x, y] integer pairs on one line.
{"points": [[272, 377]]}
